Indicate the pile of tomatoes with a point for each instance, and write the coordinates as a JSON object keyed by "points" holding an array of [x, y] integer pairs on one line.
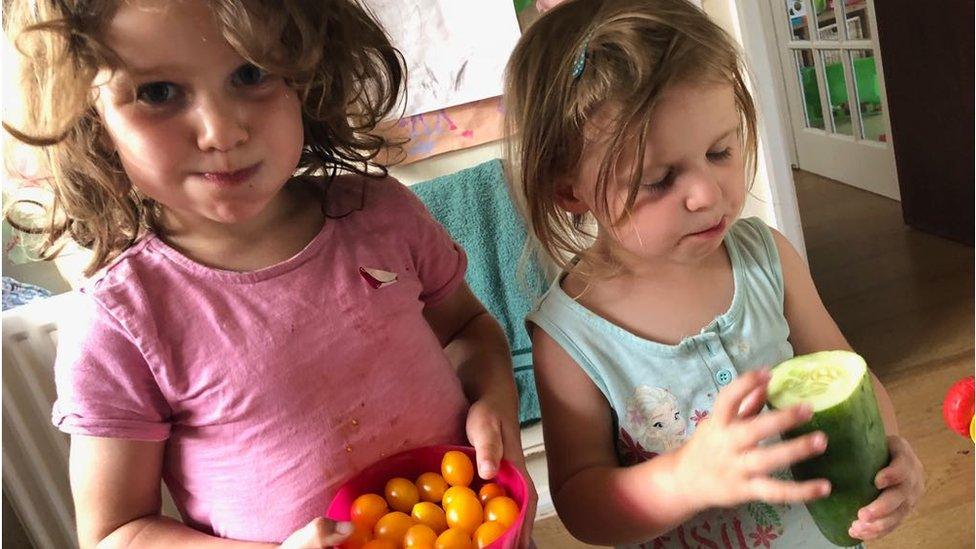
{"points": [[436, 511]]}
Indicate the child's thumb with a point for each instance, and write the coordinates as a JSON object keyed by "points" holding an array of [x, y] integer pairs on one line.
{"points": [[321, 532]]}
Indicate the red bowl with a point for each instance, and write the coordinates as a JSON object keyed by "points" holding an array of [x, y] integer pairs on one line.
{"points": [[410, 465]]}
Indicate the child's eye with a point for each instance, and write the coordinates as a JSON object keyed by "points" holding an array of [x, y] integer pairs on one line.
{"points": [[249, 75], [157, 93], [658, 424], [720, 155], [662, 184]]}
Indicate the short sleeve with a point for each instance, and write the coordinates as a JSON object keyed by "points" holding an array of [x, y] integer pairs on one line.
{"points": [[105, 387], [439, 260]]}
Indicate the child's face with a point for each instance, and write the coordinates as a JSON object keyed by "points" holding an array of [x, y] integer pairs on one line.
{"points": [[694, 178], [208, 136]]}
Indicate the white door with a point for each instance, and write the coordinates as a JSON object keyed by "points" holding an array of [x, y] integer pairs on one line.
{"points": [[835, 91]]}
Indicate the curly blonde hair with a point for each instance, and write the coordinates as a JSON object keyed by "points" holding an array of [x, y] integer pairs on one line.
{"points": [[631, 51], [332, 52]]}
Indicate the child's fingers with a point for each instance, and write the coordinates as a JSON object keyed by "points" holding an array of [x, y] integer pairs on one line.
{"points": [[892, 475], [753, 403], [763, 460], [730, 398], [775, 422], [488, 448], [321, 532], [773, 490], [883, 505], [868, 530]]}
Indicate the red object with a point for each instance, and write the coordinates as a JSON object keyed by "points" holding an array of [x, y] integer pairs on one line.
{"points": [[411, 464], [957, 408]]}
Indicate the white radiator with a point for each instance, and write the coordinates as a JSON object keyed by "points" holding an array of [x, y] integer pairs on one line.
{"points": [[35, 453]]}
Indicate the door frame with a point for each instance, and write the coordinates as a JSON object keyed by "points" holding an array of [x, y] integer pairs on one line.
{"points": [[776, 148]]}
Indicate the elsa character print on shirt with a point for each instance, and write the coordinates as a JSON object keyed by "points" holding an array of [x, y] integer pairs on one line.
{"points": [[654, 423]]}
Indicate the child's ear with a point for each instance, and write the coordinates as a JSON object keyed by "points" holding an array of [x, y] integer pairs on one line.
{"points": [[567, 199]]}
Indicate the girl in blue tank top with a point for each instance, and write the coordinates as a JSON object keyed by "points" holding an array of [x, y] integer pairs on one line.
{"points": [[634, 136]]}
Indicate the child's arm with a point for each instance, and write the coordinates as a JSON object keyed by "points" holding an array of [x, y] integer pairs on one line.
{"points": [[116, 488], [812, 329], [476, 345], [602, 503]]}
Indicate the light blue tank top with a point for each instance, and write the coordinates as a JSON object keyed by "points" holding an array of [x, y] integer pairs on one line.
{"points": [[659, 393]]}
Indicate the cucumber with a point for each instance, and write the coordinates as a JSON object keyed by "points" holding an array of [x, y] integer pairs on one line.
{"points": [[838, 387]]}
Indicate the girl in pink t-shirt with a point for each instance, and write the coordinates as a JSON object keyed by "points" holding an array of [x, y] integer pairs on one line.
{"points": [[253, 337]]}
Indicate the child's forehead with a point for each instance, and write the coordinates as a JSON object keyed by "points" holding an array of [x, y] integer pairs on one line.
{"points": [[151, 34], [684, 113]]}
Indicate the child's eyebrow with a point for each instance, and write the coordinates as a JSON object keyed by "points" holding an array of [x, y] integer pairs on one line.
{"points": [[142, 72], [730, 131]]}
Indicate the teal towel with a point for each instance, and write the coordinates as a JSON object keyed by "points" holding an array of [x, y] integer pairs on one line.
{"points": [[474, 206]]}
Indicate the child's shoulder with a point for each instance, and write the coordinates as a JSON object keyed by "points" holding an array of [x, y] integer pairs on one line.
{"points": [[374, 198], [125, 271]]}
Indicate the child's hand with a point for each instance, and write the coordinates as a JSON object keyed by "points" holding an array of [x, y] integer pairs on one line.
{"points": [[901, 484], [723, 465], [493, 430], [318, 534]]}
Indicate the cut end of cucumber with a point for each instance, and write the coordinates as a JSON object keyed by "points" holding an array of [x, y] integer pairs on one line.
{"points": [[822, 380]]}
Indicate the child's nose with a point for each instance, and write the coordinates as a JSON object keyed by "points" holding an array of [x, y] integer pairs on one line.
{"points": [[221, 125], [703, 191]]}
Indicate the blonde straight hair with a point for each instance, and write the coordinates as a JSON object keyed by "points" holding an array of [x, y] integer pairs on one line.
{"points": [[585, 54]]}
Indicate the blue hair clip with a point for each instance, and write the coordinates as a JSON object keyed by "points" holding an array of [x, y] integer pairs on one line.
{"points": [[580, 64]]}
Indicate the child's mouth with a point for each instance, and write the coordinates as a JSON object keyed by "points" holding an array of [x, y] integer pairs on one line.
{"points": [[231, 178], [712, 231]]}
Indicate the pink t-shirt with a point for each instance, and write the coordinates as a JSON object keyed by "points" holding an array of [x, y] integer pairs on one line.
{"points": [[272, 387]]}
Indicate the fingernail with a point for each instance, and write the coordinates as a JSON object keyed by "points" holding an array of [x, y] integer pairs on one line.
{"points": [[825, 488], [486, 470], [344, 528]]}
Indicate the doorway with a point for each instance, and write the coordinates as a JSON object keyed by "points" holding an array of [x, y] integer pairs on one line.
{"points": [[830, 59]]}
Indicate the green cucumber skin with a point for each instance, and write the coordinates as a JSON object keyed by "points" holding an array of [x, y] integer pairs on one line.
{"points": [[857, 448]]}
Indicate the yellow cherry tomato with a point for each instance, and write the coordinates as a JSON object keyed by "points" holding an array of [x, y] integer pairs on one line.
{"points": [[393, 526], [455, 491], [431, 487], [488, 532], [380, 544], [419, 535], [430, 514], [366, 510], [490, 490], [358, 538], [453, 538], [502, 509], [456, 468], [402, 494], [465, 513]]}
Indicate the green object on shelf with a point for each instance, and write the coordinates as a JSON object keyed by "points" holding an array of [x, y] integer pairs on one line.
{"points": [[865, 75], [811, 95]]}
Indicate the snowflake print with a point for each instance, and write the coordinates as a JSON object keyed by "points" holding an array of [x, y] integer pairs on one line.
{"points": [[763, 536], [741, 346], [700, 415], [631, 452]]}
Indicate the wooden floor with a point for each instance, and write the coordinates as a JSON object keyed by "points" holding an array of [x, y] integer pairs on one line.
{"points": [[904, 299]]}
